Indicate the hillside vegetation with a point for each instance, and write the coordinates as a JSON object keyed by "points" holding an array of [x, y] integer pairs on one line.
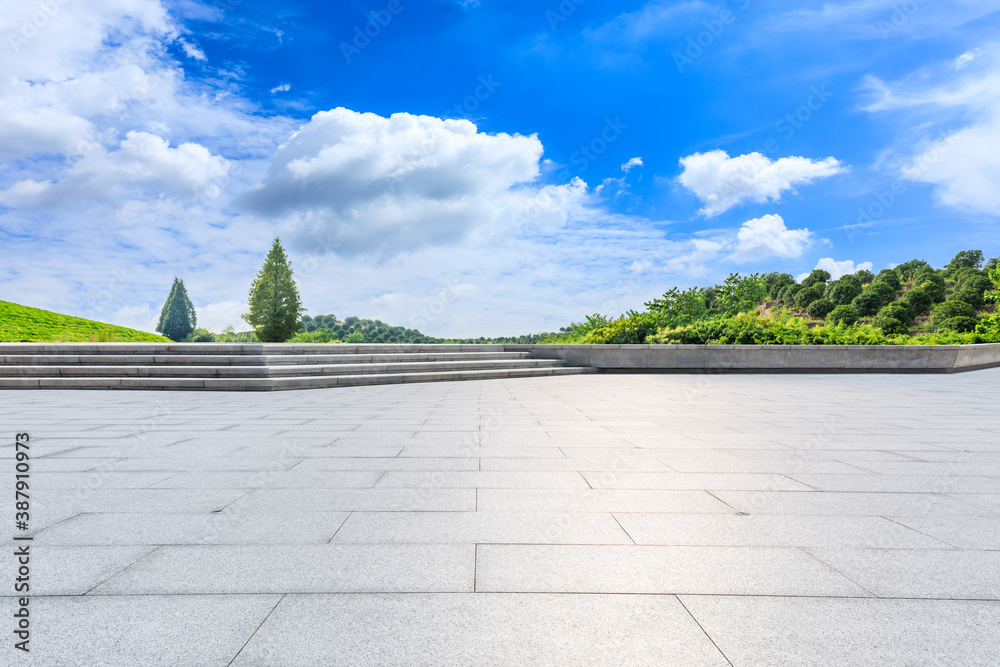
{"points": [[24, 324], [911, 303]]}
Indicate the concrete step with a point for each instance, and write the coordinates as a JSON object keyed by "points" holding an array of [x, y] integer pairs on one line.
{"points": [[281, 384], [243, 359], [351, 358], [271, 371], [277, 384]]}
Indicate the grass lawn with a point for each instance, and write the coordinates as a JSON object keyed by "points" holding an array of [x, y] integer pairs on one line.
{"points": [[24, 324]]}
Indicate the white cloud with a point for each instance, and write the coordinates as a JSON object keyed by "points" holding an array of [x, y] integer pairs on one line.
{"points": [[768, 236], [965, 58], [352, 182], [722, 182], [144, 166], [838, 269], [192, 50], [650, 21], [283, 88], [963, 164], [631, 164]]}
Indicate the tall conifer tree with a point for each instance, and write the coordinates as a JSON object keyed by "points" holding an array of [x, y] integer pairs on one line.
{"points": [[178, 317], [274, 299]]}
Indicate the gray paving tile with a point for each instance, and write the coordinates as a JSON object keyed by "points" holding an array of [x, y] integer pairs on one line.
{"points": [[773, 531], [229, 527], [587, 500], [329, 479], [153, 630], [483, 480], [480, 629], [858, 504], [901, 483], [71, 570], [387, 463], [705, 481], [655, 569], [388, 568], [789, 632], [969, 575], [358, 500], [964, 532], [479, 527]]}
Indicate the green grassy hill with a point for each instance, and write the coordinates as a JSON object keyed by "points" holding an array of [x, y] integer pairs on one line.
{"points": [[21, 323]]}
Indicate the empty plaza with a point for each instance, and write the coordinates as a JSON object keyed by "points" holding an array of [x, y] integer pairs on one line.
{"points": [[581, 520]]}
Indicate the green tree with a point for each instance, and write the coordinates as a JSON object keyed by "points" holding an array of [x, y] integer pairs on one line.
{"points": [[274, 299], [178, 318], [971, 259]]}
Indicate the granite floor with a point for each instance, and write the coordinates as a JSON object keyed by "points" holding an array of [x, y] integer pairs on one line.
{"points": [[586, 520]]}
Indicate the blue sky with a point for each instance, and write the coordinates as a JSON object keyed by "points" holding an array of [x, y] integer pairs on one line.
{"points": [[484, 168]]}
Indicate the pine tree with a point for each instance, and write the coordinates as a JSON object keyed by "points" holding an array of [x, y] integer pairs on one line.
{"points": [[178, 317], [274, 299]]}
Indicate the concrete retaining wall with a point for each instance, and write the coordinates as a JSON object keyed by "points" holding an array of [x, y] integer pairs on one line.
{"points": [[772, 358]]}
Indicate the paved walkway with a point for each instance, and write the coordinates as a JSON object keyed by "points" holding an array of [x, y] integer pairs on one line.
{"points": [[592, 520]]}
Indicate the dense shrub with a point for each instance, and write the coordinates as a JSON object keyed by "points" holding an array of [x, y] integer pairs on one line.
{"points": [[971, 297], [889, 276], [920, 301], [200, 336], [900, 310], [844, 291], [806, 296], [843, 314], [631, 329], [967, 259], [885, 291], [787, 295], [865, 276], [935, 291], [867, 303], [817, 276], [776, 282], [958, 324], [976, 282], [820, 308], [906, 270], [951, 309], [890, 325]]}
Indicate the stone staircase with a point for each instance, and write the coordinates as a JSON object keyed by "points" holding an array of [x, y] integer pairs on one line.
{"points": [[258, 366]]}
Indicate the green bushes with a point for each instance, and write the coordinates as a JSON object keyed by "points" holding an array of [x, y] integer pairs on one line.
{"points": [[632, 329], [899, 310], [865, 276], [951, 310], [820, 308], [806, 296], [919, 300], [844, 291], [969, 296], [976, 282], [885, 291], [959, 324], [889, 277], [890, 325], [817, 276], [867, 303], [843, 314]]}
